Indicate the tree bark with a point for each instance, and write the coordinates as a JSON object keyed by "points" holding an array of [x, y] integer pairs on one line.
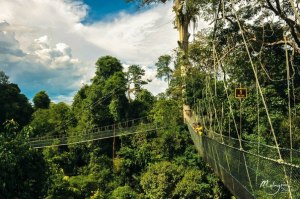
{"points": [[182, 24]]}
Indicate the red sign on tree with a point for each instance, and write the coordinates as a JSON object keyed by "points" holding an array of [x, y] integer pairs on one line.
{"points": [[240, 92]]}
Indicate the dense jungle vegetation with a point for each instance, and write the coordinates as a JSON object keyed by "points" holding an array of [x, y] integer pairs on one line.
{"points": [[159, 164], [244, 41]]}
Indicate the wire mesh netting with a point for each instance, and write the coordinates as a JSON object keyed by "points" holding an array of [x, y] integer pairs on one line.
{"points": [[250, 171]]}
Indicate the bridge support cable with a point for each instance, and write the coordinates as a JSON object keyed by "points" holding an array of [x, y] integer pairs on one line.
{"points": [[262, 96], [258, 126], [256, 79], [227, 95], [114, 142], [289, 102], [239, 133]]}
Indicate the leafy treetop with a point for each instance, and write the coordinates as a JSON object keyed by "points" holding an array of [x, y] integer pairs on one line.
{"points": [[41, 100], [106, 66]]}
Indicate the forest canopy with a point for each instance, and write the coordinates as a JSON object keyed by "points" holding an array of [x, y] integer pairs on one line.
{"points": [[252, 45]]}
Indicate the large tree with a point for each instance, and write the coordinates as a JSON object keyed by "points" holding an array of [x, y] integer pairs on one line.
{"points": [[163, 67], [106, 66], [134, 80], [185, 12], [41, 100], [101, 103], [53, 121], [13, 104]]}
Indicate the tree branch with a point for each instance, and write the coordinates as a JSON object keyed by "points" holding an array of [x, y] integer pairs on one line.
{"points": [[293, 26]]}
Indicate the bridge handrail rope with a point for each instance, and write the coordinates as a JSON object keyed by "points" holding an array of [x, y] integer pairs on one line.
{"points": [[143, 124], [254, 154], [119, 125], [190, 123], [253, 142], [103, 136]]}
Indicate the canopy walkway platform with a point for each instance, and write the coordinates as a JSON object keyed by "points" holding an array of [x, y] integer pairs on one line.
{"points": [[249, 169]]}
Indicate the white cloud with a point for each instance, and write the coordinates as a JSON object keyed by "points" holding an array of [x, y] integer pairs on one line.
{"points": [[8, 44], [136, 39], [43, 67], [55, 58], [156, 86]]}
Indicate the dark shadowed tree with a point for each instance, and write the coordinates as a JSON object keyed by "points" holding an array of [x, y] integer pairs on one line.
{"points": [[24, 172], [41, 100], [3, 78], [13, 104]]}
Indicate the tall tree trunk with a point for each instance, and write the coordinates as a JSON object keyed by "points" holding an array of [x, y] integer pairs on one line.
{"points": [[182, 24]]}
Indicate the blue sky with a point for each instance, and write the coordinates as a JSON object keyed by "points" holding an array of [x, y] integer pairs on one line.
{"points": [[53, 45], [104, 9]]}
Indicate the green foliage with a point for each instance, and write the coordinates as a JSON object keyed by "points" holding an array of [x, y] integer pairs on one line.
{"points": [[63, 190], [53, 121], [142, 104], [134, 77], [105, 67], [41, 100], [104, 101], [167, 112], [41, 123], [3, 78], [163, 67], [172, 135], [14, 105], [84, 185], [24, 172], [98, 195], [193, 185], [125, 192], [160, 180]]}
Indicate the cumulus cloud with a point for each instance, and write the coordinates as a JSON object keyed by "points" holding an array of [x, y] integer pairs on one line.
{"points": [[58, 57], [43, 67], [8, 44]]}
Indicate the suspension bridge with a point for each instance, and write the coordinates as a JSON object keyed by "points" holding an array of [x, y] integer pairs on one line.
{"points": [[97, 133], [247, 169]]}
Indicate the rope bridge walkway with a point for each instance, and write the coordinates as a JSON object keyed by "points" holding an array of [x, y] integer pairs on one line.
{"points": [[98, 133], [248, 169]]}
